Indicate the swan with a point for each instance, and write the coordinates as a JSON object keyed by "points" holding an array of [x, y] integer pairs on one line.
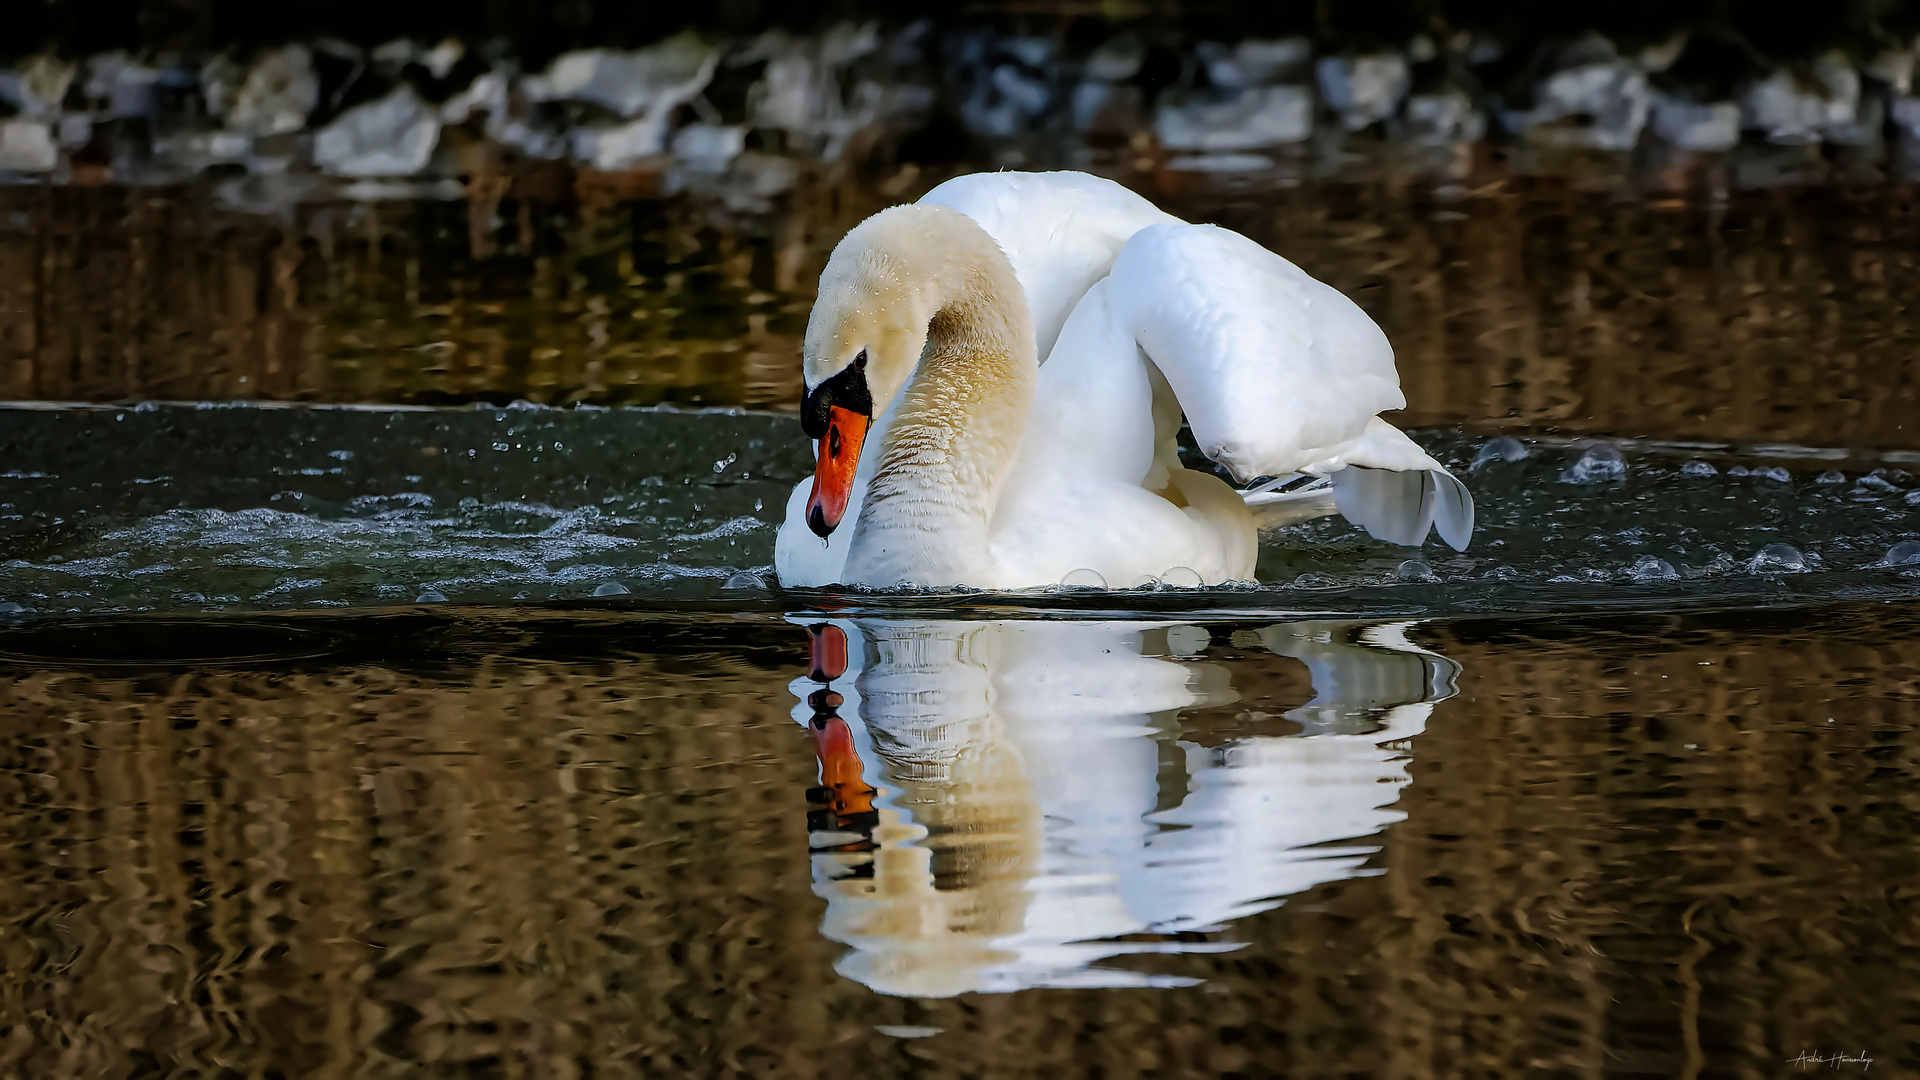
{"points": [[949, 454]]}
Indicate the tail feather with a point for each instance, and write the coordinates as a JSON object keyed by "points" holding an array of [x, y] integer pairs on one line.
{"points": [[1400, 507]]}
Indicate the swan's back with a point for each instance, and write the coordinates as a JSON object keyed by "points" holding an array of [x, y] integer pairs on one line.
{"points": [[1061, 230]]}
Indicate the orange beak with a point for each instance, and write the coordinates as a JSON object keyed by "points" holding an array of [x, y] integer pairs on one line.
{"points": [[846, 791], [833, 475]]}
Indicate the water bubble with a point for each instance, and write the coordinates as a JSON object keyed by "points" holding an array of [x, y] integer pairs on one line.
{"points": [[1777, 559], [1500, 573], [1739, 470], [1146, 581], [1601, 462], [746, 580], [1312, 580], [1416, 570], [1831, 476], [1187, 640], [1651, 568], [1501, 448], [1904, 553], [1879, 484], [1773, 472], [721, 465], [1182, 577], [431, 596], [8, 607], [611, 588], [1698, 468], [1084, 578], [1913, 498]]}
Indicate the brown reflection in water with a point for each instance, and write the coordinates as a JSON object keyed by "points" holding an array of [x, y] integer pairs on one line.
{"points": [[1632, 846], [1526, 305]]}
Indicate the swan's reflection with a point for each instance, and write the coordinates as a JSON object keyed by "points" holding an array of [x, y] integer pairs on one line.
{"points": [[1004, 804]]}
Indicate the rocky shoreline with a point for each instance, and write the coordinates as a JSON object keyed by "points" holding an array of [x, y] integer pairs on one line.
{"points": [[1696, 112]]}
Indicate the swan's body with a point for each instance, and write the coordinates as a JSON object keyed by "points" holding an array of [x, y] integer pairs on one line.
{"points": [[984, 467]]}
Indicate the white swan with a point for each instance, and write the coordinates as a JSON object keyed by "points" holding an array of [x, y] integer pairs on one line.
{"points": [[962, 460]]}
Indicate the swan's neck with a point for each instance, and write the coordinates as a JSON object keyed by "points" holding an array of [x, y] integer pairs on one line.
{"points": [[954, 435]]}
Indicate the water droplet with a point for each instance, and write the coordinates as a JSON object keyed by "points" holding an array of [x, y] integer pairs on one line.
{"points": [[1904, 553], [1831, 476], [1182, 577], [1084, 578], [721, 465], [747, 581], [500, 446], [430, 596], [1187, 640], [1773, 472], [1416, 570], [1146, 581], [1698, 468], [1651, 568], [758, 506], [1501, 448], [1777, 559], [611, 588], [1602, 462]]}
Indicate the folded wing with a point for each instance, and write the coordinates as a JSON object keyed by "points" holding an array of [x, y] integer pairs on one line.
{"points": [[1278, 374]]}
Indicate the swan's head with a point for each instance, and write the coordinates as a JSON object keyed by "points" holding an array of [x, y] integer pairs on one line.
{"points": [[882, 286]]}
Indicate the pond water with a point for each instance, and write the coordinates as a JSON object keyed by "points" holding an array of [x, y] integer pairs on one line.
{"points": [[396, 682], [493, 842]]}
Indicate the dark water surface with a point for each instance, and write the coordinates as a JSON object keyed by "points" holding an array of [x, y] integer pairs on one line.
{"points": [[345, 736], [491, 842]]}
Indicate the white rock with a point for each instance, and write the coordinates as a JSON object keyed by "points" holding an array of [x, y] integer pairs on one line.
{"points": [[1444, 118], [1265, 116], [27, 146], [1790, 113], [280, 90], [621, 146], [1116, 60], [487, 93], [440, 59], [1709, 128], [37, 86], [655, 79], [1362, 89], [393, 136], [74, 131], [1893, 67], [709, 147], [1613, 94]]}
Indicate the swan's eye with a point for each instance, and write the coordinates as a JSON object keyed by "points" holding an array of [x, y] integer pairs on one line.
{"points": [[860, 360]]}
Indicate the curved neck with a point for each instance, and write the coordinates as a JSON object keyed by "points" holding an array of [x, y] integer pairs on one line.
{"points": [[956, 428]]}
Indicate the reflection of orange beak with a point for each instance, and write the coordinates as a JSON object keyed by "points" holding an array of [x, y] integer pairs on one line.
{"points": [[833, 475], [827, 652], [846, 790]]}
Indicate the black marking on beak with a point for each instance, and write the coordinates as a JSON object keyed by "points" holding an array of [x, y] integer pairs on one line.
{"points": [[847, 390], [817, 521]]}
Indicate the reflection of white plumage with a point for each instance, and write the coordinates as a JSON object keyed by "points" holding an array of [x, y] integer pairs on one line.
{"points": [[1019, 767], [983, 467]]}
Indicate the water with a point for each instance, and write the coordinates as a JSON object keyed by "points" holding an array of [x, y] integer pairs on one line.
{"points": [[430, 705], [494, 841]]}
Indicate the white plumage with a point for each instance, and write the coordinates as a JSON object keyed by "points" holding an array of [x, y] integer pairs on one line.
{"points": [[1141, 318]]}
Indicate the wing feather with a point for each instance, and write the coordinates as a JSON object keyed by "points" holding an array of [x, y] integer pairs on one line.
{"points": [[1271, 367]]}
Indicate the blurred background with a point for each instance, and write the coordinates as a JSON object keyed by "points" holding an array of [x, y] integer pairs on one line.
{"points": [[1674, 220]]}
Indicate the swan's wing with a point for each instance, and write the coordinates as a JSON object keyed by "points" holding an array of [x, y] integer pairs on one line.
{"points": [[1279, 373], [1060, 230], [1271, 367]]}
